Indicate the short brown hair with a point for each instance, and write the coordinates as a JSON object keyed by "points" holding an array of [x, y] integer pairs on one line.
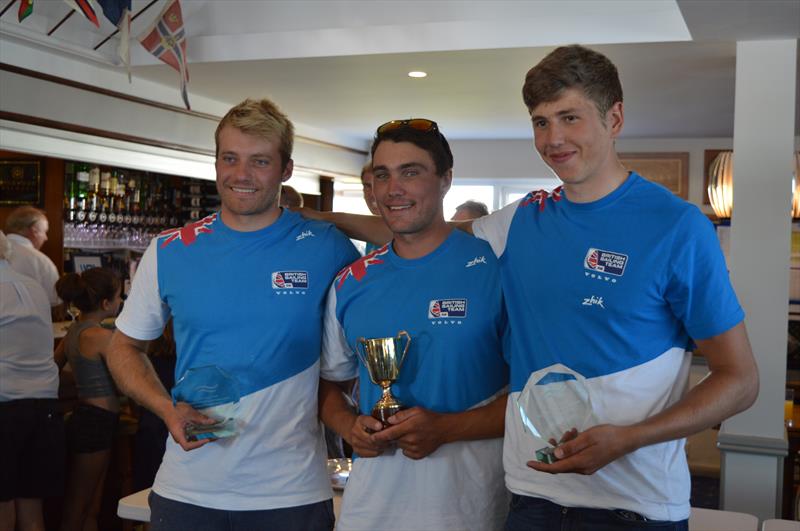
{"points": [[432, 141], [573, 66], [263, 119], [22, 218], [89, 289]]}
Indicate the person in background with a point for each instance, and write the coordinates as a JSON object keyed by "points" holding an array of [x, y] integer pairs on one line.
{"points": [[91, 428], [245, 288], [32, 444], [470, 210], [291, 198], [27, 227], [438, 465], [367, 179]]}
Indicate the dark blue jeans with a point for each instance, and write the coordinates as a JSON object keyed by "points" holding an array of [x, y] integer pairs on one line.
{"points": [[536, 514], [170, 515]]}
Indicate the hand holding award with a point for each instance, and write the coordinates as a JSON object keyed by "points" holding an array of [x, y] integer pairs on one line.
{"points": [[214, 393], [554, 406]]}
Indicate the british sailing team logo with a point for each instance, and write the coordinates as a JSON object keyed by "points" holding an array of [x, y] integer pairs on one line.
{"points": [[447, 311], [289, 279], [605, 262]]}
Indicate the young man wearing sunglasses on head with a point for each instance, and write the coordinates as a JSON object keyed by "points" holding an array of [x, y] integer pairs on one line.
{"points": [[608, 278], [437, 464]]}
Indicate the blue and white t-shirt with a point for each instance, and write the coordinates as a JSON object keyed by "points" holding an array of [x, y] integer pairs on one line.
{"points": [[451, 305], [614, 290], [250, 303]]}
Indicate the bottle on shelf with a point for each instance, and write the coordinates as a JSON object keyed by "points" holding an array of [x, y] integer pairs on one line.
{"points": [[70, 192], [94, 194], [82, 178]]}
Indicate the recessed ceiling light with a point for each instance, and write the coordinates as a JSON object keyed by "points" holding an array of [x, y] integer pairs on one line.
{"points": [[417, 73]]}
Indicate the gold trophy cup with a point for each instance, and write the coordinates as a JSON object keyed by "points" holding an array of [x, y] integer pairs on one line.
{"points": [[383, 358]]}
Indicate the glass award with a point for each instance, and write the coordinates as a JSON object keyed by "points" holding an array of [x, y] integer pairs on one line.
{"points": [[214, 393], [554, 401]]}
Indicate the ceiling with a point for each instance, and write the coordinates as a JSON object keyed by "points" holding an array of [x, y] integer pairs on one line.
{"points": [[341, 66]]}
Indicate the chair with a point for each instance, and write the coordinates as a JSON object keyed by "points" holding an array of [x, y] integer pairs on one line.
{"points": [[780, 525], [713, 520]]}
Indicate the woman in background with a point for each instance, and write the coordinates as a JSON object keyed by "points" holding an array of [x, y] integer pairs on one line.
{"points": [[97, 293]]}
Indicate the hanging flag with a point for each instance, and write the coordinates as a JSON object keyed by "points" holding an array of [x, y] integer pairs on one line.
{"points": [[114, 9], [118, 12], [166, 39], [25, 9], [87, 8]]}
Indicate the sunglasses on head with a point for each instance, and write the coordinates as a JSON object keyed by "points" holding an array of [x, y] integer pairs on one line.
{"points": [[420, 124]]}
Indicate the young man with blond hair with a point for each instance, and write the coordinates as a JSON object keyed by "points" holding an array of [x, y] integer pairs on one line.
{"points": [[245, 287]]}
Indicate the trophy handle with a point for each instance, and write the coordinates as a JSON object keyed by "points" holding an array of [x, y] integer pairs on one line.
{"points": [[360, 342], [403, 333]]}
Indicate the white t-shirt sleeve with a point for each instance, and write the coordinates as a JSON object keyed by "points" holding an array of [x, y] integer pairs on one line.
{"points": [[494, 227], [338, 362], [50, 274], [144, 314]]}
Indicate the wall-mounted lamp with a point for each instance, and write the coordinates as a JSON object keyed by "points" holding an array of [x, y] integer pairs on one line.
{"points": [[796, 187], [720, 185]]}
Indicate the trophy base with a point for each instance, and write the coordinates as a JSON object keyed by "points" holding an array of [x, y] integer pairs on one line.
{"points": [[383, 413], [546, 455]]}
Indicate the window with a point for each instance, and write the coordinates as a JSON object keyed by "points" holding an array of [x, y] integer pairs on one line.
{"points": [[459, 193], [349, 197]]}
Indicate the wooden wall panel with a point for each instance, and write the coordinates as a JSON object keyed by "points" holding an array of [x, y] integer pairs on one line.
{"points": [[53, 174]]}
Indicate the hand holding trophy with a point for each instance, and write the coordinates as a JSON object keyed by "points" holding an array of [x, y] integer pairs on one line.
{"points": [[214, 393], [554, 403], [383, 358]]}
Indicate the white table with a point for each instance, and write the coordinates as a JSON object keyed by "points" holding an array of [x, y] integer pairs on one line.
{"points": [[135, 506], [60, 329]]}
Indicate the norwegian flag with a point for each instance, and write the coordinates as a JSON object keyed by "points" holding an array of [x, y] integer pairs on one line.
{"points": [[87, 8], [188, 234], [166, 39], [540, 197], [358, 269]]}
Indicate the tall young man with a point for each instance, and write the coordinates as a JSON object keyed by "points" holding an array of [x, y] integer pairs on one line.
{"points": [[612, 277], [245, 288], [438, 464]]}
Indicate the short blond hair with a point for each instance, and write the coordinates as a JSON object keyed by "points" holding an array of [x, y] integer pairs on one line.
{"points": [[263, 119], [22, 218]]}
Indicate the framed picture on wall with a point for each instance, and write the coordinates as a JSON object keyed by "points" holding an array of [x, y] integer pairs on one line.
{"points": [[21, 182], [670, 170]]}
